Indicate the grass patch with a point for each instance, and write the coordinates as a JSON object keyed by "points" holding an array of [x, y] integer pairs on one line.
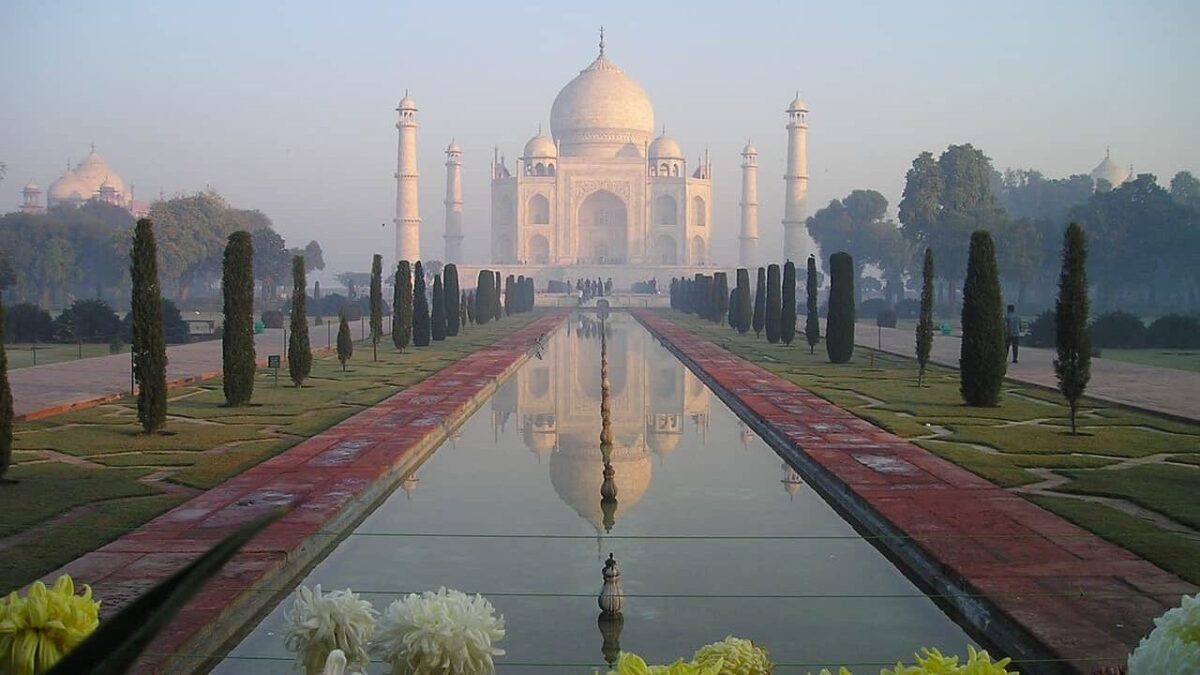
{"points": [[997, 468], [1169, 490], [47, 489], [211, 469], [1169, 551], [1179, 359], [1113, 441]]}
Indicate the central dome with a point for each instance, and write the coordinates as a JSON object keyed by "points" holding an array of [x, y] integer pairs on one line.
{"points": [[602, 113]]}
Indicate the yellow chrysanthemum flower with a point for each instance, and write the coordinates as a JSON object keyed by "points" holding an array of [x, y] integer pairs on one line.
{"points": [[38, 629], [740, 657], [632, 664]]}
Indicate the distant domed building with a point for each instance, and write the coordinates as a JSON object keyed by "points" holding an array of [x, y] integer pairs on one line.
{"points": [[1110, 171], [91, 178]]}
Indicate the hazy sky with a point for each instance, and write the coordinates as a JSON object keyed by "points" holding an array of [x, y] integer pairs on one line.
{"points": [[289, 107]]}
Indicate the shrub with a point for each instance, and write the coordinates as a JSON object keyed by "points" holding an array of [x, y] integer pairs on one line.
{"points": [[1041, 332], [87, 320], [759, 318], [299, 353], [345, 343], [872, 307], [483, 297], [745, 309], [1174, 331], [886, 318], [421, 333], [909, 308], [27, 322], [273, 318], [1073, 358], [437, 315], [450, 284], [839, 327], [402, 299], [376, 302], [1118, 330], [812, 312], [983, 347], [925, 316]]}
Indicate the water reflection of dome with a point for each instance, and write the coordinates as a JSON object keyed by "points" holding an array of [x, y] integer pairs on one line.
{"points": [[663, 432], [576, 475], [540, 434]]}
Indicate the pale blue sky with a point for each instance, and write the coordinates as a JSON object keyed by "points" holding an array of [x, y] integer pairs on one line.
{"points": [[288, 107]]}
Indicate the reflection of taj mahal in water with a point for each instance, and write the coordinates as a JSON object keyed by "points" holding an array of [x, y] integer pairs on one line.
{"points": [[555, 403]]}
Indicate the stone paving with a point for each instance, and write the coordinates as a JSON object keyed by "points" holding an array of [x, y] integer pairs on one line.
{"points": [[330, 480], [1161, 390], [1012, 569], [41, 391]]}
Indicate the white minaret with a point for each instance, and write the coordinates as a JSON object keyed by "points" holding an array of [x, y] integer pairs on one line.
{"points": [[795, 210], [408, 215], [748, 240], [454, 204]]}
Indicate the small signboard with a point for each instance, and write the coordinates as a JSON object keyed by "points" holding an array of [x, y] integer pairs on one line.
{"points": [[273, 361]]}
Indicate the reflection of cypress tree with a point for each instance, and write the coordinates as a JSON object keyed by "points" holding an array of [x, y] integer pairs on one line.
{"points": [[760, 303], [420, 308], [437, 317], [774, 304]]}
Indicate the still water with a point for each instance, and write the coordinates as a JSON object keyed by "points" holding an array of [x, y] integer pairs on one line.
{"points": [[714, 534]]}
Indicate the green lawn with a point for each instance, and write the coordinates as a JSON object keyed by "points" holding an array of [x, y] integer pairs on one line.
{"points": [[1008, 444], [24, 355], [1179, 359], [85, 477]]}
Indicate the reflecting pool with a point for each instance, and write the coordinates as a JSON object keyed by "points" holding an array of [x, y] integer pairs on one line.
{"points": [[714, 533]]}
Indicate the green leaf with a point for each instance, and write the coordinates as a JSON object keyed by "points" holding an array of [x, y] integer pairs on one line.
{"points": [[116, 645]]}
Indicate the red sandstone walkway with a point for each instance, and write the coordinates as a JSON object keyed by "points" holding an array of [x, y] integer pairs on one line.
{"points": [[1081, 597], [331, 480]]}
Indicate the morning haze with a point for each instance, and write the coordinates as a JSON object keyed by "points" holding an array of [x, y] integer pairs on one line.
{"points": [[290, 108]]}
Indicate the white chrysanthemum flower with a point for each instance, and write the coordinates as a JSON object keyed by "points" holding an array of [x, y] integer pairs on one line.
{"points": [[317, 624], [335, 664], [1173, 647], [442, 633]]}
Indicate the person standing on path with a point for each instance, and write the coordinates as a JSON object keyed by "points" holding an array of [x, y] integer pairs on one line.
{"points": [[1012, 323]]}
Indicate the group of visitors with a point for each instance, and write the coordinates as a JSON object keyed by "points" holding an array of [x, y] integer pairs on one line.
{"points": [[586, 289]]}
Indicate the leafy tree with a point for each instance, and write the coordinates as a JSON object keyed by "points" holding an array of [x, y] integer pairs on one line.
{"points": [[376, 305], [483, 297], [238, 360], [345, 343], [437, 316], [839, 323], [745, 309], [787, 314], [402, 304], [1185, 189], [925, 320], [8, 275], [1073, 363], [6, 405], [760, 303], [27, 322], [946, 200], [271, 260], [450, 281], [149, 346], [299, 353], [774, 304], [812, 311], [175, 329], [982, 359], [857, 225], [421, 328], [87, 321]]}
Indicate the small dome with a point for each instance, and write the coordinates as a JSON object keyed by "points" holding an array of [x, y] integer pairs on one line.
{"points": [[407, 103], [453, 147], [31, 186], [1110, 171], [665, 147], [797, 105], [749, 149], [540, 146]]}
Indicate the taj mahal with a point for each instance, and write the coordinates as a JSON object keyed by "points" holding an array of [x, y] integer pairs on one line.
{"points": [[601, 196]]}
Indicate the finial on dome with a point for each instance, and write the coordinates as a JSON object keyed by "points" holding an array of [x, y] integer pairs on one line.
{"points": [[93, 146], [601, 40], [539, 133]]}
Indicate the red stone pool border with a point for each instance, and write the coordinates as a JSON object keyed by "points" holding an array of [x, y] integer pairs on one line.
{"points": [[331, 480], [1043, 590]]}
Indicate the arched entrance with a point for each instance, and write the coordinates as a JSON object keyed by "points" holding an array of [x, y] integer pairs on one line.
{"points": [[539, 250], [665, 250], [697, 257], [602, 222]]}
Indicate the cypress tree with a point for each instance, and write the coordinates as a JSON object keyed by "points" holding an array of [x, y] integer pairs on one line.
{"points": [[787, 314], [464, 310], [345, 343], [732, 317], [760, 303], [774, 304], [925, 320], [812, 318], [483, 300], [437, 316], [421, 332], [720, 297], [497, 308], [6, 405], [839, 325], [745, 309], [376, 305], [450, 291], [982, 357], [402, 306], [299, 351], [1073, 362], [149, 344], [470, 306], [237, 334], [509, 299]]}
